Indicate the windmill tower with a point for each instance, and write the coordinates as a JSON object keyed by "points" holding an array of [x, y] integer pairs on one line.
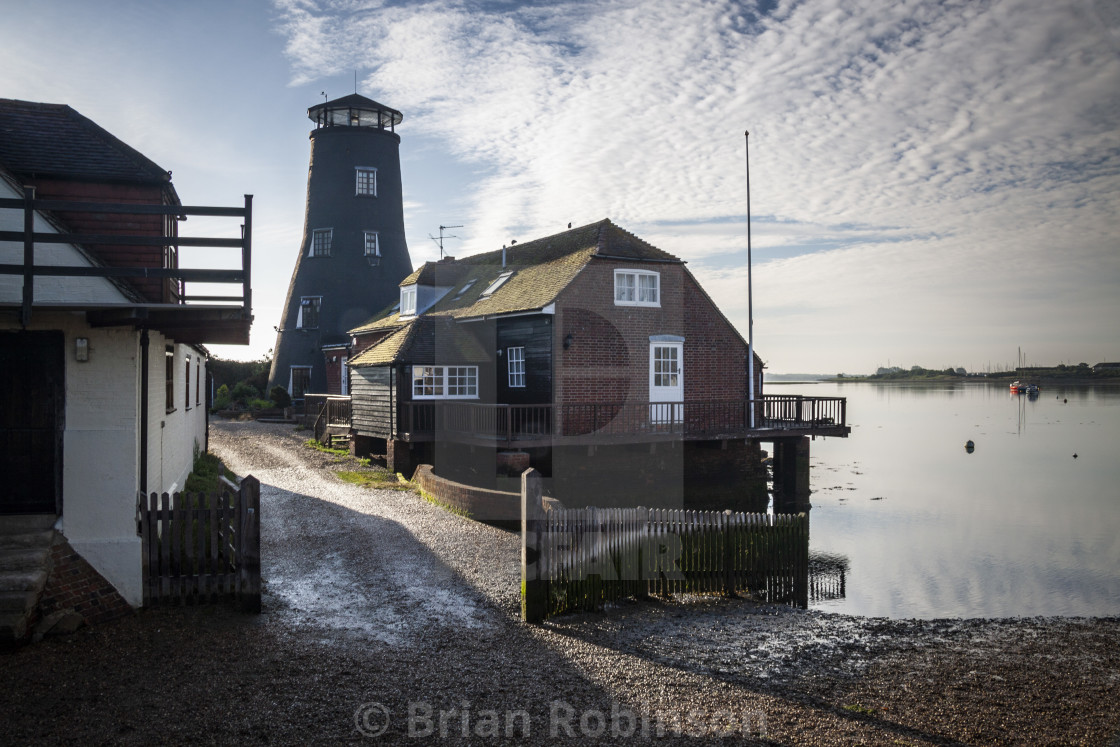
{"points": [[353, 254]]}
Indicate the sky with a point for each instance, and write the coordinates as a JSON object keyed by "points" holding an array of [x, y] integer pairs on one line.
{"points": [[932, 183]]}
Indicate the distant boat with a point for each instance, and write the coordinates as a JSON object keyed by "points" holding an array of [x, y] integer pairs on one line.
{"points": [[1018, 387]]}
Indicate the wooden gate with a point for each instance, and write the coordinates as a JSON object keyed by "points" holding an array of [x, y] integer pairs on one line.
{"points": [[201, 548]]}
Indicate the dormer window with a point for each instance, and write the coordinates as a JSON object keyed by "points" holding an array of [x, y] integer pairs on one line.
{"points": [[498, 283], [408, 300], [365, 181], [637, 288]]}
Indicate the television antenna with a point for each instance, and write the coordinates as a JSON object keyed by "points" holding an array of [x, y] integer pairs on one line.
{"points": [[442, 237]]}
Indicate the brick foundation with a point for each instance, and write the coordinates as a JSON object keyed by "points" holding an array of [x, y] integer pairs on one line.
{"points": [[74, 584]]}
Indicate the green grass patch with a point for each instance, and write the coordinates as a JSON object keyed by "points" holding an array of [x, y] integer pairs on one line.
{"points": [[312, 443], [860, 709], [204, 478], [373, 479], [442, 504]]}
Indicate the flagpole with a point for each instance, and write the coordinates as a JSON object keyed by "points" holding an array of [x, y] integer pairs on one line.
{"points": [[750, 290]]}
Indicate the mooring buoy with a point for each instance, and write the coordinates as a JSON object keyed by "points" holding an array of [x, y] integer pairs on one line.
{"points": [[969, 446]]}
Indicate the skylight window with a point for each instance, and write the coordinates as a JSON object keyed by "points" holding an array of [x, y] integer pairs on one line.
{"points": [[464, 289], [497, 284]]}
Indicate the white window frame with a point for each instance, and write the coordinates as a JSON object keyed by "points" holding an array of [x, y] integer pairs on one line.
{"points": [[321, 248], [515, 365], [435, 382], [367, 245], [408, 300], [629, 290], [369, 188], [303, 301]]}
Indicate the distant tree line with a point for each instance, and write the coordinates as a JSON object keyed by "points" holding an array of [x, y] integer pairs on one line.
{"points": [[1061, 371], [241, 385]]}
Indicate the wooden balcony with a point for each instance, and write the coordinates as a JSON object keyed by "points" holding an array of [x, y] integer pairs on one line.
{"points": [[779, 416], [187, 317]]}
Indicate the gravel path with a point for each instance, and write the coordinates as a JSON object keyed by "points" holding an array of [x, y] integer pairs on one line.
{"points": [[378, 604]]}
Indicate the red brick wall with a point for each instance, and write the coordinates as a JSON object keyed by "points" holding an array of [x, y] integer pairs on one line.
{"points": [[481, 504], [155, 290], [334, 370], [74, 584], [608, 359]]}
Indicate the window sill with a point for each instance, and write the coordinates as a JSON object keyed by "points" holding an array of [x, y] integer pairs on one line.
{"points": [[434, 397], [646, 304]]}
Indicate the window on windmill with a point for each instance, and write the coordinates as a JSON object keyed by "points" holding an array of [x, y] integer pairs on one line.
{"points": [[498, 283], [321, 242], [365, 181], [372, 247], [309, 307]]}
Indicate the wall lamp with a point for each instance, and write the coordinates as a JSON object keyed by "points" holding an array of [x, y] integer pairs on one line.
{"points": [[568, 340], [81, 349]]}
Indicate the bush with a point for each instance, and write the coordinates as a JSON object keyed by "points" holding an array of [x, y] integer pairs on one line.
{"points": [[260, 404], [280, 396], [221, 398], [244, 392]]}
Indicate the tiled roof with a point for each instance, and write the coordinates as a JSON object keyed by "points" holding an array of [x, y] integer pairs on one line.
{"points": [[53, 140], [418, 341], [539, 271]]}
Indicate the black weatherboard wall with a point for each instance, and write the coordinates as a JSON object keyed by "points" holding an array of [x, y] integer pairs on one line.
{"points": [[534, 334], [351, 133]]}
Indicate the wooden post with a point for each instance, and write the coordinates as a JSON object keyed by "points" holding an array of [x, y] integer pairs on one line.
{"points": [[728, 556], [534, 589], [801, 572], [249, 545], [28, 256]]}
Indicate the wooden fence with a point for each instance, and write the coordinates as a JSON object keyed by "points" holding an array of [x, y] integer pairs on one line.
{"points": [[200, 548], [578, 559]]}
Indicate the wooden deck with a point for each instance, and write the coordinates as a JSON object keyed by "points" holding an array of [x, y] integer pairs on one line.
{"points": [[527, 426]]}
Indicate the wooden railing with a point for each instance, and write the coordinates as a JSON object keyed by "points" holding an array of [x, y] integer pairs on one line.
{"points": [[784, 410], [30, 238], [510, 423], [321, 412]]}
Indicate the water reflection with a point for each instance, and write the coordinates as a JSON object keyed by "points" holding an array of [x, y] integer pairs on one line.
{"points": [[1017, 527]]}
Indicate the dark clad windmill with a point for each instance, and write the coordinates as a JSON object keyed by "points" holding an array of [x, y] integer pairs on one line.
{"points": [[353, 253]]}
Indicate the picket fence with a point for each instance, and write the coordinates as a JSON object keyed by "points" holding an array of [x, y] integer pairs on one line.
{"points": [[579, 559], [200, 548]]}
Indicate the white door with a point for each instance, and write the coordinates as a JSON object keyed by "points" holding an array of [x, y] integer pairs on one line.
{"points": [[666, 382], [345, 374]]}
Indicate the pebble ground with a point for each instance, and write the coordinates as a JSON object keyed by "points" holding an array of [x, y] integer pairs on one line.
{"points": [[387, 619]]}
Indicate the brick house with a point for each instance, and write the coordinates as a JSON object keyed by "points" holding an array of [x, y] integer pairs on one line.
{"points": [[103, 367], [590, 354]]}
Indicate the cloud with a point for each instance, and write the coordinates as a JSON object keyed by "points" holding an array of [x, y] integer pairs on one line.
{"points": [[942, 156]]}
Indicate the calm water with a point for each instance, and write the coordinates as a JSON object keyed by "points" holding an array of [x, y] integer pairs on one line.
{"points": [[1018, 527]]}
